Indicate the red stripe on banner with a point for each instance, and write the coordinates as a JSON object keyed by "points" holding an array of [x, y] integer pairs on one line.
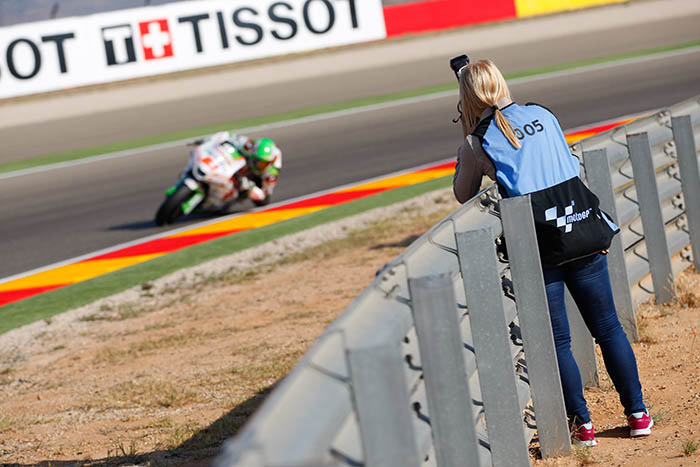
{"points": [[161, 245], [10, 296], [331, 199], [443, 14]]}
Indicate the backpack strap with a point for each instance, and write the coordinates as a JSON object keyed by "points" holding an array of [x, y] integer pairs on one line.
{"points": [[482, 127], [540, 105], [545, 108]]}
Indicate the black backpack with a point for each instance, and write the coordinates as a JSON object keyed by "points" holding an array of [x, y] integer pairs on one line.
{"points": [[568, 220], [569, 223]]}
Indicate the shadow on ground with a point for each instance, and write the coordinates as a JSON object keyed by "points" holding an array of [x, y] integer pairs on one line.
{"points": [[143, 225], [621, 431], [180, 222], [198, 451], [400, 244]]}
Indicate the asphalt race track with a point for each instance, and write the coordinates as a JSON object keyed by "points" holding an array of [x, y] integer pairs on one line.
{"points": [[59, 214]]}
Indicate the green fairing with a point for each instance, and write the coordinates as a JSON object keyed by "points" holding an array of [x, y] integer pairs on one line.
{"points": [[186, 208]]}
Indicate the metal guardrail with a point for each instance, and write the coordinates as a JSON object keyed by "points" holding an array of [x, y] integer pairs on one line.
{"points": [[660, 135], [408, 373]]}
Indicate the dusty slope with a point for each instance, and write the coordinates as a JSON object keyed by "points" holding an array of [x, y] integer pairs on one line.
{"points": [[160, 375]]}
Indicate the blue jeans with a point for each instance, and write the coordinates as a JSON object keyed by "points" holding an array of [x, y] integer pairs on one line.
{"points": [[588, 281]]}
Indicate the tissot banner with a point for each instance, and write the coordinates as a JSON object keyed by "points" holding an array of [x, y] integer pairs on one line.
{"points": [[71, 52]]}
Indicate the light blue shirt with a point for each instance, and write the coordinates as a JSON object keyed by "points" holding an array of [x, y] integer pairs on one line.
{"points": [[543, 160]]}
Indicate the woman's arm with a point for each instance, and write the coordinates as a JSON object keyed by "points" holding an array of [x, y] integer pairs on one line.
{"points": [[467, 178]]}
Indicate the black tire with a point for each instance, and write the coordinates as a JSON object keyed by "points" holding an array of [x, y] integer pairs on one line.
{"points": [[262, 202], [171, 208]]}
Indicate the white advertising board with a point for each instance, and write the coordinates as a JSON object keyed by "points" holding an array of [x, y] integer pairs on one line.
{"points": [[71, 52]]}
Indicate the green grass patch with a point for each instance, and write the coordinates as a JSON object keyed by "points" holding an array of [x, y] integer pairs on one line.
{"points": [[318, 110], [48, 304]]}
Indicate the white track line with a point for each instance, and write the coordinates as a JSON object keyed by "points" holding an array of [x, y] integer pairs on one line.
{"points": [[357, 110]]}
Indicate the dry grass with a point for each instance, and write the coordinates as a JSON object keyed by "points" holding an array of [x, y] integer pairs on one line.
{"points": [[587, 455], [158, 326], [123, 453], [179, 434], [689, 300], [146, 393], [644, 330], [148, 346], [121, 313], [6, 376], [7, 423], [689, 447], [584, 455], [660, 418], [17, 423]]}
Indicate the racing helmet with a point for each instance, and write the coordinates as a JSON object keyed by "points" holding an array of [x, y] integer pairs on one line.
{"points": [[263, 153]]}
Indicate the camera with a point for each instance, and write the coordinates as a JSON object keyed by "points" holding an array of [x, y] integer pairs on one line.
{"points": [[457, 63]]}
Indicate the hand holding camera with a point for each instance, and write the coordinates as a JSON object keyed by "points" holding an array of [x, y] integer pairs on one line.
{"points": [[457, 64]]}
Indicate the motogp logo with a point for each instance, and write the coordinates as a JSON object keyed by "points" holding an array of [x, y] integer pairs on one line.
{"points": [[569, 217]]}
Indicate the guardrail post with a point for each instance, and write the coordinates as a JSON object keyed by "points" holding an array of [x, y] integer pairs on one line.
{"points": [[536, 327], [382, 404], [441, 346], [652, 218], [582, 345], [491, 339], [600, 182], [690, 179]]}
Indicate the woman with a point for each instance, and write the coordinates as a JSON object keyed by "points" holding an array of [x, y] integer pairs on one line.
{"points": [[523, 148]]}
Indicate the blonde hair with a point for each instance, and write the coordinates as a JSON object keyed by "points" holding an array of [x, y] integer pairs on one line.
{"points": [[481, 85]]}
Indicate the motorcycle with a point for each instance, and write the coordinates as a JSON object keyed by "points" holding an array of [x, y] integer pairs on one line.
{"points": [[212, 181]]}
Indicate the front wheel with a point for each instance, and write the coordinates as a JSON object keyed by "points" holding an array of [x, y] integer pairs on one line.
{"points": [[171, 208], [263, 202]]}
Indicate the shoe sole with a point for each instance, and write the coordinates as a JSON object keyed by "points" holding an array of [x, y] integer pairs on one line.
{"points": [[585, 443], [642, 431]]}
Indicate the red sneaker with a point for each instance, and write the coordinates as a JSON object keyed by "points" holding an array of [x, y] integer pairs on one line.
{"points": [[640, 424], [583, 435]]}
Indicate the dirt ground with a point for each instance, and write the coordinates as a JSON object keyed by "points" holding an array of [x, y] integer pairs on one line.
{"points": [[668, 357], [163, 374]]}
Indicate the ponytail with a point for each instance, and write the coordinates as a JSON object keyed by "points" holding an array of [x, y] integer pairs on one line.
{"points": [[481, 85], [505, 127]]}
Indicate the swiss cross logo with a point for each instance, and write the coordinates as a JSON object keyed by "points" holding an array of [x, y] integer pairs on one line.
{"points": [[156, 39], [569, 217]]}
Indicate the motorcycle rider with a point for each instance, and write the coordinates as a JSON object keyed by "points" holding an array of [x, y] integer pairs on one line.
{"points": [[264, 161]]}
